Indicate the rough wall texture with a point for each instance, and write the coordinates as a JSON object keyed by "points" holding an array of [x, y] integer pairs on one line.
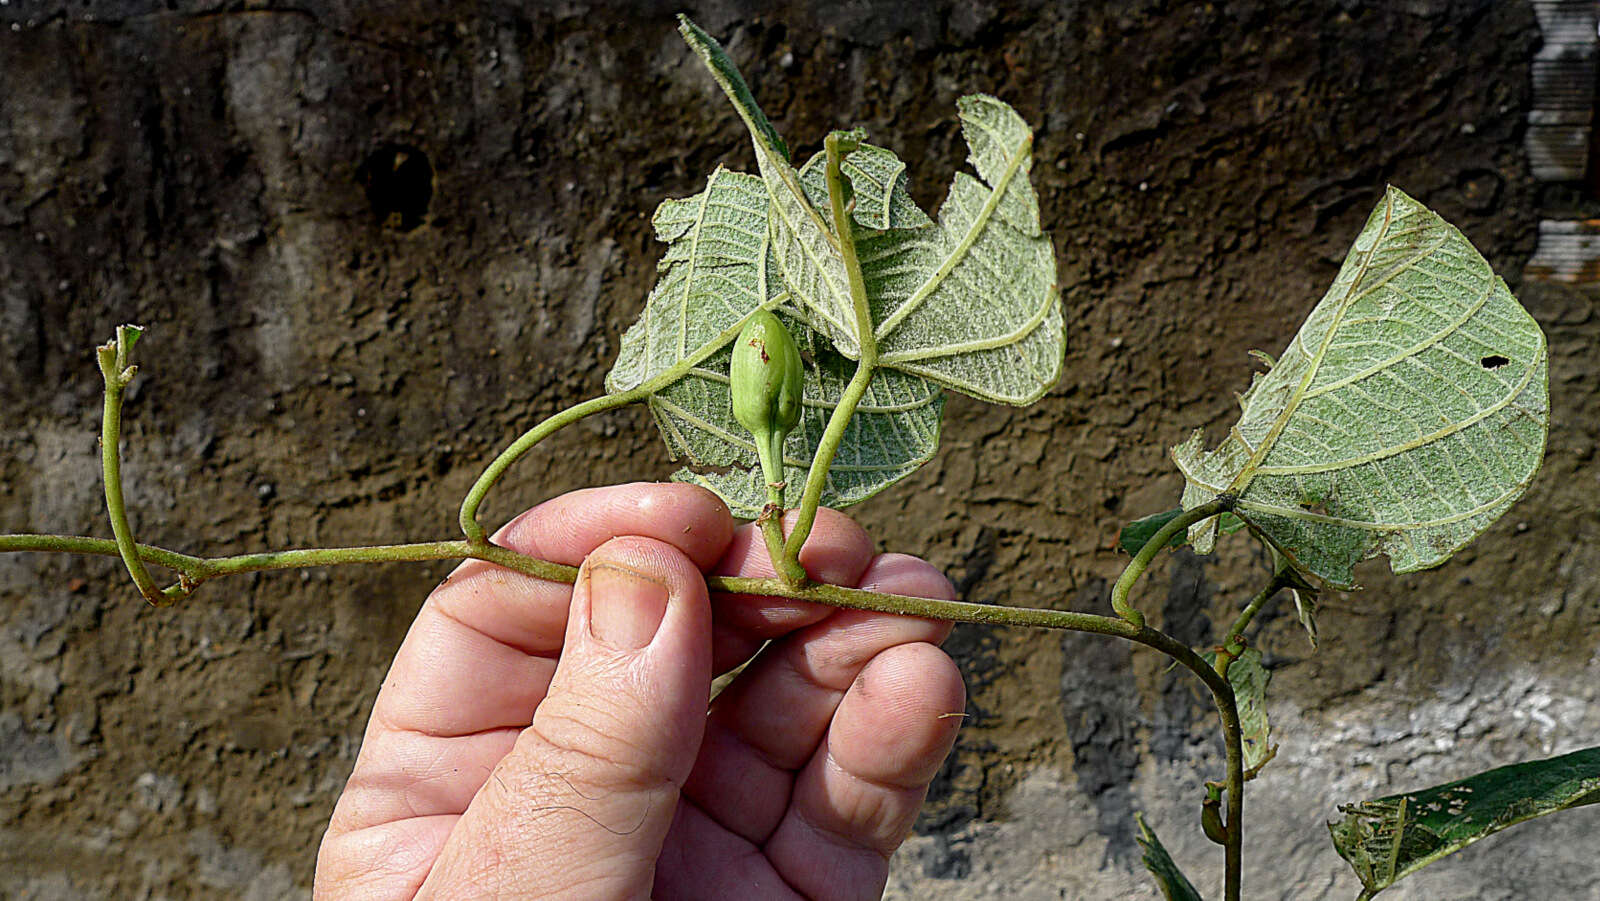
{"points": [[340, 337]]}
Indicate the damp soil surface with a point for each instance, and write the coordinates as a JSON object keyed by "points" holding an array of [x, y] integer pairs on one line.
{"points": [[372, 242]]}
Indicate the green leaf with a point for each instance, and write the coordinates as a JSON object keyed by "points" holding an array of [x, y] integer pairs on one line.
{"points": [[733, 84], [712, 278], [715, 274], [970, 302], [877, 178], [1173, 884], [1389, 838], [803, 242], [1249, 680], [895, 430], [1406, 416], [1135, 535]]}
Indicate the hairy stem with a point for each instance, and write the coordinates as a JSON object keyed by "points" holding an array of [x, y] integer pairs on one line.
{"points": [[836, 146], [497, 468], [1141, 560], [75, 544]]}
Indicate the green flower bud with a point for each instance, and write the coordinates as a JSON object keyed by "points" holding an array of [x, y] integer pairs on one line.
{"points": [[767, 385]]}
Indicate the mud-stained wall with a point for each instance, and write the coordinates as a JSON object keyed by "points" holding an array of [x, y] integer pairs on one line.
{"points": [[372, 242]]}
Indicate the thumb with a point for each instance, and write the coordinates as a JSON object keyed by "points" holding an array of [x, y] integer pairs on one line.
{"points": [[582, 803]]}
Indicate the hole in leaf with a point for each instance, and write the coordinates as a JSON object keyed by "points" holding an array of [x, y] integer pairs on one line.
{"points": [[1493, 361], [398, 179]]}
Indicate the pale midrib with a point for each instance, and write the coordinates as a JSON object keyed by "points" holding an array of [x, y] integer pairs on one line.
{"points": [[1270, 439], [1412, 351], [922, 293], [948, 350], [1420, 441]]}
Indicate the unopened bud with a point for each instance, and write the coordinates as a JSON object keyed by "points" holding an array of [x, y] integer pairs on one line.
{"points": [[768, 383]]}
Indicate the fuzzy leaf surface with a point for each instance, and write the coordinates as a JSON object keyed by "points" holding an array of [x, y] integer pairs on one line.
{"points": [[969, 301], [712, 278], [803, 242], [878, 184], [972, 302], [1388, 838], [1408, 413]]}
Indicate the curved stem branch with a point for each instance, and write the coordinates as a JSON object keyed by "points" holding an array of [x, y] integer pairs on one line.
{"points": [[836, 146], [1141, 560], [497, 468], [1233, 641], [117, 369]]}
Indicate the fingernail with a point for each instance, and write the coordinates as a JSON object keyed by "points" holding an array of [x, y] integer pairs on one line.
{"points": [[625, 608]]}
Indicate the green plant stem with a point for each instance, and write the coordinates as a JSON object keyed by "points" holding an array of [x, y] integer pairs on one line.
{"points": [[1233, 743], [1158, 541], [1233, 641], [195, 570], [836, 145], [75, 544], [118, 371], [497, 468]]}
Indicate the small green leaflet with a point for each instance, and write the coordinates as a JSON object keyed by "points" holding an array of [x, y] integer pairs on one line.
{"points": [[1389, 838], [1405, 417], [969, 301], [1173, 884], [1135, 535], [895, 430], [1249, 680]]}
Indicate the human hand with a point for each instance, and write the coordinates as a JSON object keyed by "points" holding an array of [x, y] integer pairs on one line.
{"points": [[534, 739]]}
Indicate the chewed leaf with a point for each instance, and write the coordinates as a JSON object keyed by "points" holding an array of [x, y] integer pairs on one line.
{"points": [[969, 301], [1173, 884], [803, 243], [713, 276], [1389, 838], [878, 178], [894, 431], [972, 303], [1406, 416]]}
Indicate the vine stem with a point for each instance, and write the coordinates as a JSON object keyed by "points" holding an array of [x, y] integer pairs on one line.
{"points": [[1141, 561], [497, 468], [1233, 641], [836, 145], [118, 371]]}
